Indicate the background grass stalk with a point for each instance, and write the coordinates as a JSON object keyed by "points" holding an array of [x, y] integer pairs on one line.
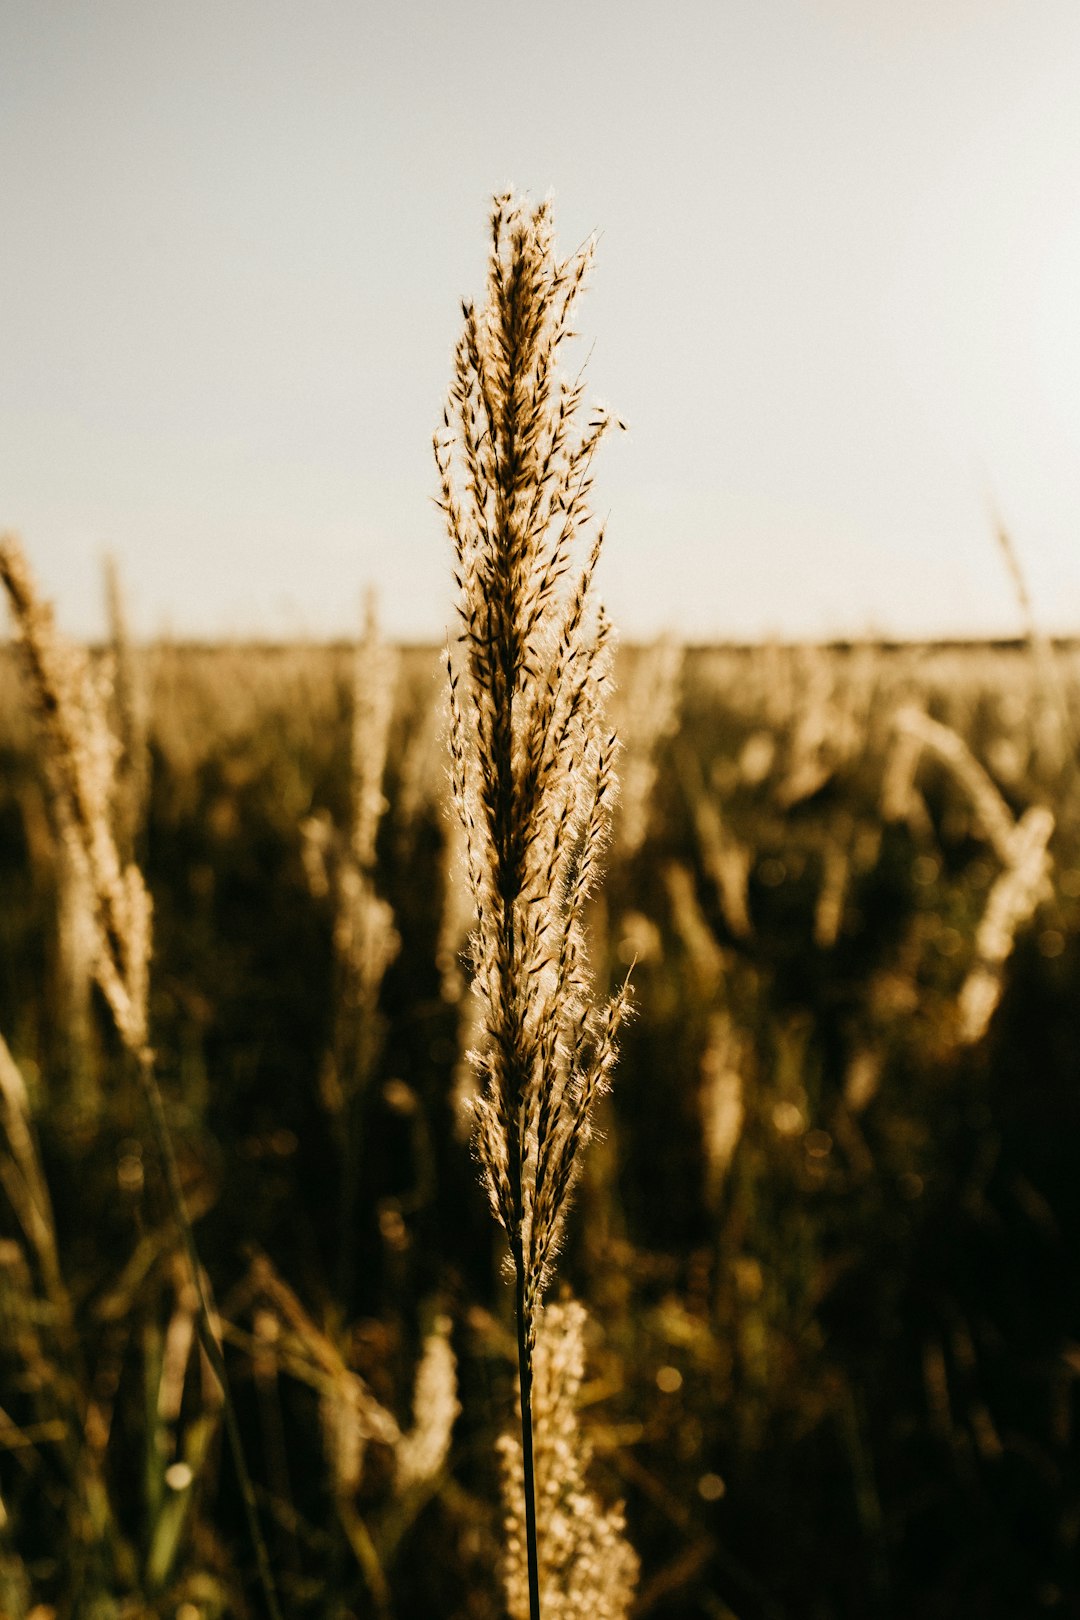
{"points": [[207, 1337], [80, 756]]}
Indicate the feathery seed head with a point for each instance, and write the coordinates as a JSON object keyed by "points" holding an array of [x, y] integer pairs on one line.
{"points": [[532, 761]]}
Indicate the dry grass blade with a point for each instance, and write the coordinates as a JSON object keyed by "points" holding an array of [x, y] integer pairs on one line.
{"points": [[1017, 892], [1021, 846], [1053, 720], [995, 817], [23, 1178]]}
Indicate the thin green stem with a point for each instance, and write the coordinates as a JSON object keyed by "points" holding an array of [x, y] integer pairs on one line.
{"points": [[163, 1140]]}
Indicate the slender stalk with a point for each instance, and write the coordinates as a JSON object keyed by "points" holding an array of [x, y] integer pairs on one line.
{"points": [[594, 1570], [164, 1144], [523, 1315], [525, 1378]]}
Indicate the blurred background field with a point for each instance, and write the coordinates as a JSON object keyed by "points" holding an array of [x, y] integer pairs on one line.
{"points": [[828, 1239]]}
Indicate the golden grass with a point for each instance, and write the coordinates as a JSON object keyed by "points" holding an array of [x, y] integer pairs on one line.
{"points": [[533, 760]]}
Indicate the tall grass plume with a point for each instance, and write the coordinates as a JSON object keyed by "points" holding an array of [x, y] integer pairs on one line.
{"points": [[533, 762]]}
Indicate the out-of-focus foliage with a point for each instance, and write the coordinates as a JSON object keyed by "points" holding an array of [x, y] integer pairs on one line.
{"points": [[828, 1244]]}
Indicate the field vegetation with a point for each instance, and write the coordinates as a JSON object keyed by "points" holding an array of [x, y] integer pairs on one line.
{"points": [[825, 1241], [306, 972]]}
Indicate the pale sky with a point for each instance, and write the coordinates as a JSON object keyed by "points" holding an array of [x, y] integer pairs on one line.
{"points": [[837, 299]]}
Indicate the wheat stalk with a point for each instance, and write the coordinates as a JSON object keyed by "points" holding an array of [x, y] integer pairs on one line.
{"points": [[532, 760]]}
